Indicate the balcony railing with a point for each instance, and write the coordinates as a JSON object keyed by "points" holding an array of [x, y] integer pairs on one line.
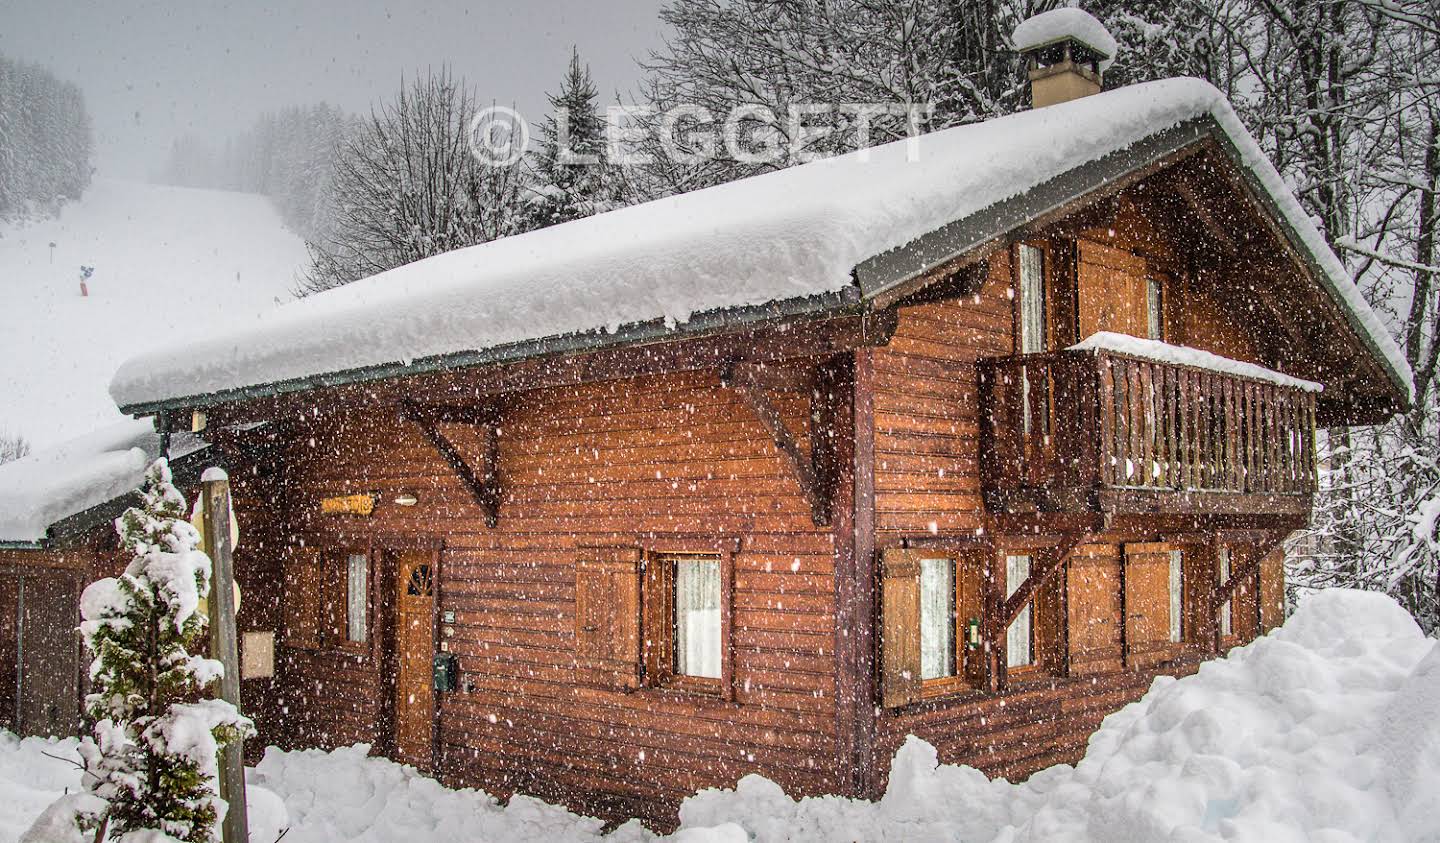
{"points": [[1102, 430]]}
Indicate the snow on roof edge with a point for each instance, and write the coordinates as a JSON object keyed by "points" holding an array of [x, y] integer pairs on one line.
{"points": [[48, 486], [1332, 271]]}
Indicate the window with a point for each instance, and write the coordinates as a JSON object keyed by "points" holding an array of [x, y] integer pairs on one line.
{"points": [[930, 642], [685, 628], [357, 603], [1154, 304], [1019, 645], [937, 618], [1032, 299], [697, 617], [1223, 576], [1177, 564]]}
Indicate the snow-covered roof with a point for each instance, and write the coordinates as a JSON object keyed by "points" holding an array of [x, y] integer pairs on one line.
{"points": [[1058, 24], [1183, 355], [791, 236], [48, 486]]}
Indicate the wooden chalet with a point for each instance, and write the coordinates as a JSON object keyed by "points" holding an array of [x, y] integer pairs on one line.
{"points": [[780, 535]]}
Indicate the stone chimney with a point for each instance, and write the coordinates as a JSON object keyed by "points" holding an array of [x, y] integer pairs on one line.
{"points": [[1067, 52]]}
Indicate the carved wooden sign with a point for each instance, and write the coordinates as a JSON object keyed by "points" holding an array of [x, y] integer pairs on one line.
{"points": [[362, 505]]}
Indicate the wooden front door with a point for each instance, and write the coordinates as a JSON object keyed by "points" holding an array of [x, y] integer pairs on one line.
{"points": [[414, 649]]}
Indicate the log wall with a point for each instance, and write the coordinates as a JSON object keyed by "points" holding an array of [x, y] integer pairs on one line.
{"points": [[670, 458]]}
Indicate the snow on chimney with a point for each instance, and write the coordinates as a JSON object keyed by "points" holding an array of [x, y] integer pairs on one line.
{"points": [[1067, 52]]}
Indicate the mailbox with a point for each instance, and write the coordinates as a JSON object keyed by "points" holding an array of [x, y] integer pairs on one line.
{"points": [[447, 671]]}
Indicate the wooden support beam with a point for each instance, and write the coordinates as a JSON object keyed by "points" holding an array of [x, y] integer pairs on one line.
{"points": [[1238, 575], [813, 471], [1015, 603], [484, 485], [1196, 206]]}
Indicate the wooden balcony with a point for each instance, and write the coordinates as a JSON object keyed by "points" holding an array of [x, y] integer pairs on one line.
{"points": [[1102, 431]]}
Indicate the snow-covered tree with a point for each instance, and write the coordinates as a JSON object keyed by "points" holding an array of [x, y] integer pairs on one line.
{"points": [[150, 759], [572, 175], [407, 187], [13, 446], [45, 141]]}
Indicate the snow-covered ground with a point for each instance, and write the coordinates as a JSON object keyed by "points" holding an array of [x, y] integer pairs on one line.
{"points": [[169, 263], [1327, 729]]}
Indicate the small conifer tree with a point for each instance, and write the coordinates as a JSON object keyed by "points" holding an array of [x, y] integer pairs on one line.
{"points": [[572, 174], [151, 756]]}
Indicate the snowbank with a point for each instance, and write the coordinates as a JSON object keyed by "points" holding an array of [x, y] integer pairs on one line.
{"points": [[1182, 355], [1323, 730], [782, 236], [1292, 737]]}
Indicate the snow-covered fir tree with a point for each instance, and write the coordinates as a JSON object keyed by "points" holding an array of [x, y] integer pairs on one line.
{"points": [[45, 141], [150, 759], [572, 175]]}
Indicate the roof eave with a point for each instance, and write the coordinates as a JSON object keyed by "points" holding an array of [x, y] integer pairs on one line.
{"points": [[709, 323]]}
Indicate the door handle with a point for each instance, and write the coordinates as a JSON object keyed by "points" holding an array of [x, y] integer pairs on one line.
{"points": [[588, 628]]}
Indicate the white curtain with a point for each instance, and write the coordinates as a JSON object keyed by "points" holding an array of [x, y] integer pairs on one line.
{"points": [[937, 622], [697, 617], [357, 601], [1177, 561], [1017, 637]]}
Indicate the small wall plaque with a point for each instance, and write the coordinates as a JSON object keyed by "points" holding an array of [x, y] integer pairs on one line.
{"points": [[363, 505], [257, 655]]}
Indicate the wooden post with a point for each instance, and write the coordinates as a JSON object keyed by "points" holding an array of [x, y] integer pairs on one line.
{"points": [[224, 647]]}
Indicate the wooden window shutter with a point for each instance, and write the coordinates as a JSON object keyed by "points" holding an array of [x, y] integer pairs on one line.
{"points": [[607, 617], [303, 598], [970, 605], [1147, 604], [900, 627]]}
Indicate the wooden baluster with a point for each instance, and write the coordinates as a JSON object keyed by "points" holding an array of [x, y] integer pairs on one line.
{"points": [[1251, 478], [1187, 433], [1311, 468], [1227, 403], [1146, 422], [1135, 391], [1107, 420]]}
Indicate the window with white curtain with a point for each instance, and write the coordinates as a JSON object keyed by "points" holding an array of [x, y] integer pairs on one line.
{"points": [[937, 618], [1177, 565], [1032, 300], [697, 617], [1019, 648], [1223, 572], [357, 573]]}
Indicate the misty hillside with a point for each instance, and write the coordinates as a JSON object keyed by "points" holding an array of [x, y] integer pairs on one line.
{"points": [[168, 262]]}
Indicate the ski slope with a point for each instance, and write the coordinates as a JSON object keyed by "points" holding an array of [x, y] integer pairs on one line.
{"points": [[170, 262]]}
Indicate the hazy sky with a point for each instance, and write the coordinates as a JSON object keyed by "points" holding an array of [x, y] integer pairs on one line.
{"points": [[152, 71]]}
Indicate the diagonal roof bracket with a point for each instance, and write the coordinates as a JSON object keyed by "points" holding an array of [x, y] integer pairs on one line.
{"points": [[815, 470], [484, 485]]}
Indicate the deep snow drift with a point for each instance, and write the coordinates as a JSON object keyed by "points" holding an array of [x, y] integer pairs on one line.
{"points": [[1326, 729], [170, 262]]}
